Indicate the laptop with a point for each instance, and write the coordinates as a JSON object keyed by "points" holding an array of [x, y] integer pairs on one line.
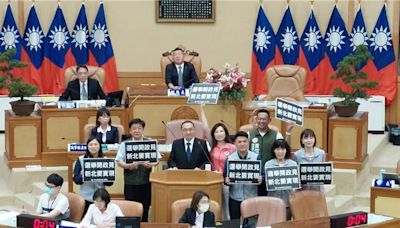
{"points": [[127, 222]]}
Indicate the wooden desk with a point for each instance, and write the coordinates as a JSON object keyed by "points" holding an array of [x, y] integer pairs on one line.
{"points": [[316, 119], [385, 201]]}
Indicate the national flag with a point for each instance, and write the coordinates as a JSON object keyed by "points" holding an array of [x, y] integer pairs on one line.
{"points": [[287, 39], [33, 44], [311, 53], [80, 35], [358, 35], [263, 52], [102, 51], [381, 48], [57, 54]]}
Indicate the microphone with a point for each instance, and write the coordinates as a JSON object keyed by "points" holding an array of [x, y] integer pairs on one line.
{"points": [[69, 139], [170, 131], [204, 152], [186, 83], [127, 104]]}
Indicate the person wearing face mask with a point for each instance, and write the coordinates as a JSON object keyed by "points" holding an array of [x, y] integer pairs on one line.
{"points": [[102, 213], [53, 203], [198, 215], [86, 190]]}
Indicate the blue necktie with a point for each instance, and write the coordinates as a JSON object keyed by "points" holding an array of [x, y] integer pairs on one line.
{"points": [[188, 151]]}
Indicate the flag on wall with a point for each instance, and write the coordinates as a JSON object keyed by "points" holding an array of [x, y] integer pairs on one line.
{"points": [[102, 51], [358, 35], [311, 53], [381, 48], [263, 52], [32, 51], [287, 39], [80, 35]]}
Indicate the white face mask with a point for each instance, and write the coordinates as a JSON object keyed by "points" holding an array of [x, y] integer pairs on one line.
{"points": [[203, 207]]}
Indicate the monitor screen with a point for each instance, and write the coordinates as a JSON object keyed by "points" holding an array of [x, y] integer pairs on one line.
{"points": [[127, 222], [391, 176]]}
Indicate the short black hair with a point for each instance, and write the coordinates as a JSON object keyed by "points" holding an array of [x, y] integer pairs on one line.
{"points": [[103, 194], [281, 143], [88, 154], [81, 66], [178, 49], [137, 121], [307, 133], [240, 134], [263, 111], [101, 112], [187, 121], [55, 179]]}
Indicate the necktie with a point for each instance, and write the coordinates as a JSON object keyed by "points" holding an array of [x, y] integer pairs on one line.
{"points": [[84, 92], [180, 76], [188, 151]]}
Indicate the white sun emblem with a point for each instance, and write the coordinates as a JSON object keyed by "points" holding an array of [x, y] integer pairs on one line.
{"points": [[380, 39], [9, 37], [358, 37], [335, 38], [289, 39], [262, 39], [59, 37], [80, 36], [34, 38], [313, 38], [99, 35]]}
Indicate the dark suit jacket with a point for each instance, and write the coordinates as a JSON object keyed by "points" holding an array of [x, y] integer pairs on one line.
{"points": [[190, 217], [189, 75], [73, 91], [178, 158], [111, 136]]}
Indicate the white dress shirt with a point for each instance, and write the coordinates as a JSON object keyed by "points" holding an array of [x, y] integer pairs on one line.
{"points": [[96, 217], [104, 132], [199, 219], [191, 144]]}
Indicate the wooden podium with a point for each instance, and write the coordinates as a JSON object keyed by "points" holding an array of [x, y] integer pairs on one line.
{"points": [[168, 186]]}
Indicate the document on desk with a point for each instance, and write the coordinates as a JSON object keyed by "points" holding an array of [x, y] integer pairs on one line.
{"points": [[8, 218], [72, 224], [375, 219]]}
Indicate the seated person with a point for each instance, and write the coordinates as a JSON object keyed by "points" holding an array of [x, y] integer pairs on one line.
{"points": [[198, 215], [188, 152], [83, 88], [180, 74], [104, 131], [53, 203], [102, 213]]}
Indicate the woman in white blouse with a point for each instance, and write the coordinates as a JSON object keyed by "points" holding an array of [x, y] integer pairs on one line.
{"points": [[102, 213]]}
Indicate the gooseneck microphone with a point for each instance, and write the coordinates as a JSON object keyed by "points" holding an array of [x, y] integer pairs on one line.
{"points": [[170, 131], [204, 152]]}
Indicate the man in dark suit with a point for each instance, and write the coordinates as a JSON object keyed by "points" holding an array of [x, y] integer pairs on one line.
{"points": [[188, 152], [180, 74], [83, 88]]}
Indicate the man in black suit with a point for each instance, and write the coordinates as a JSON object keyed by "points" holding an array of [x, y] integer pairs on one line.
{"points": [[180, 74], [188, 152], [83, 88]]}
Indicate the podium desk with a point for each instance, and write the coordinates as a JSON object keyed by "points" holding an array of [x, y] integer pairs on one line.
{"points": [[385, 201], [168, 186]]}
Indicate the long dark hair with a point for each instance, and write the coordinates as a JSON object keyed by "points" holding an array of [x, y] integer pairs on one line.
{"points": [[214, 128], [88, 154], [103, 111], [196, 199]]}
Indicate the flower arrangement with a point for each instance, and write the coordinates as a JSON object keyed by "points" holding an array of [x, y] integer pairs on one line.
{"points": [[232, 80]]}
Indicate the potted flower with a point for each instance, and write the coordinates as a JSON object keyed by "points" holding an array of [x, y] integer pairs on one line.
{"points": [[14, 85], [356, 81], [233, 82]]}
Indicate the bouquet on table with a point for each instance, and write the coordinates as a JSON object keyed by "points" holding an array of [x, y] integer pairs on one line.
{"points": [[232, 80]]}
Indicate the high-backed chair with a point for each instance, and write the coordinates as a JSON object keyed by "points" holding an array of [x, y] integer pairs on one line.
{"points": [[178, 208], [88, 128], [270, 210], [129, 208], [286, 81], [308, 204], [189, 56], [76, 206], [173, 130], [94, 72]]}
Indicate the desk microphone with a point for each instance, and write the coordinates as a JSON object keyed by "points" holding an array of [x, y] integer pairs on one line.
{"points": [[204, 152], [162, 121]]}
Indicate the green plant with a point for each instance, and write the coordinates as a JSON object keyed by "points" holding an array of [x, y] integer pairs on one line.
{"points": [[349, 72], [15, 86]]}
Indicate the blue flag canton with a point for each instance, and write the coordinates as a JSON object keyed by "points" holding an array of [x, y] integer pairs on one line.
{"points": [[57, 40], [381, 43], [34, 39], [337, 39], [312, 42], [80, 35], [9, 35], [287, 39], [100, 42], [358, 35], [264, 40]]}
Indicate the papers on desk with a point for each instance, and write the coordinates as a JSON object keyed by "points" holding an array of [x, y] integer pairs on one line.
{"points": [[375, 219], [8, 218]]}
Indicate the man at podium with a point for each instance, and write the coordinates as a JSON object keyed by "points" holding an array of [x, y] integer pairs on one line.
{"points": [[180, 74], [188, 152]]}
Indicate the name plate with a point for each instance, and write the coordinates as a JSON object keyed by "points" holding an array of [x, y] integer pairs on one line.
{"points": [[178, 92], [76, 147], [81, 104]]}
